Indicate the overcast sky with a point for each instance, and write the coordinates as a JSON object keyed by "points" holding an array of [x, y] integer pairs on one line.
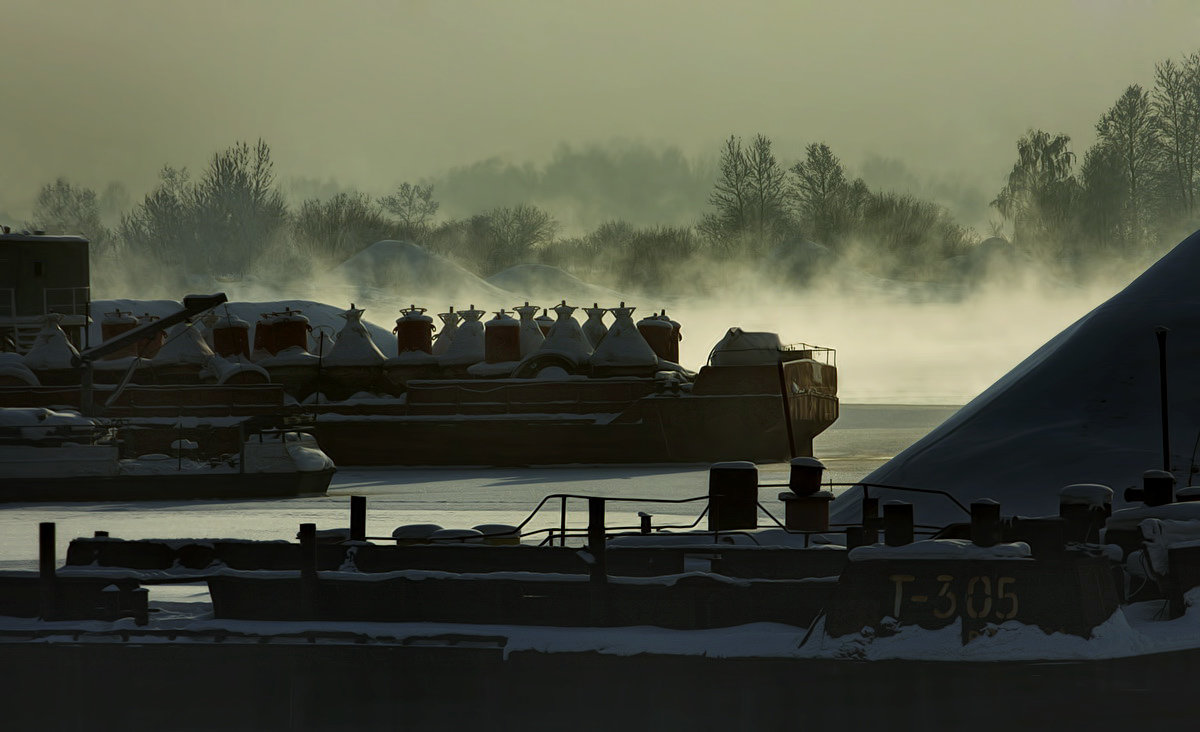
{"points": [[371, 93]]}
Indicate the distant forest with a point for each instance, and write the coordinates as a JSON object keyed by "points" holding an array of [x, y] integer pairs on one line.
{"points": [[1130, 196]]}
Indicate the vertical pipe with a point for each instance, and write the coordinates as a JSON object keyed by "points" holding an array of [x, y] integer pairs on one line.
{"points": [[787, 411], [562, 523], [46, 550], [308, 570], [1160, 332], [597, 536], [597, 545], [46, 569], [358, 518]]}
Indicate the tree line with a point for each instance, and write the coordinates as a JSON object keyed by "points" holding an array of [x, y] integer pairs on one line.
{"points": [[1135, 190]]}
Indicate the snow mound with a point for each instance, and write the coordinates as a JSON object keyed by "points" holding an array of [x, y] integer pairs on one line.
{"points": [[543, 282], [1083, 408]]}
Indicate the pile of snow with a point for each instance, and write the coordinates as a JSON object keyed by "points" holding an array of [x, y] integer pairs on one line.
{"points": [[13, 369], [51, 349], [185, 345], [354, 346], [624, 346], [543, 282], [1082, 408], [566, 336]]}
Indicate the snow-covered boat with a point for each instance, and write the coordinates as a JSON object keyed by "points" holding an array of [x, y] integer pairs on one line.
{"points": [[48, 455]]}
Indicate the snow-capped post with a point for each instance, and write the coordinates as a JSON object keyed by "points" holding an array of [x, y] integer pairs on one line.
{"points": [[732, 496], [897, 523], [1085, 507], [870, 519], [46, 568], [1160, 332], [985, 522], [358, 518]]}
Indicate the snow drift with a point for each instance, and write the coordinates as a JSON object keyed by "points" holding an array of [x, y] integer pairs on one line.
{"points": [[1083, 408]]}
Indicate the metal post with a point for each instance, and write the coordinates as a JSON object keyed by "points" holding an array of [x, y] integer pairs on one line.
{"points": [[308, 569], [597, 545], [787, 411], [1160, 332], [562, 523], [358, 518], [597, 537], [46, 568]]}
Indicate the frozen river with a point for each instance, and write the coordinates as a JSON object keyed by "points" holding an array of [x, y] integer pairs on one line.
{"points": [[864, 438]]}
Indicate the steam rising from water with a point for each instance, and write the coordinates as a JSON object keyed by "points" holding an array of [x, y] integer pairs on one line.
{"points": [[895, 342]]}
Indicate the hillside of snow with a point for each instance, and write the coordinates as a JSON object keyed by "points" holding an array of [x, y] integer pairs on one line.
{"points": [[1083, 408]]}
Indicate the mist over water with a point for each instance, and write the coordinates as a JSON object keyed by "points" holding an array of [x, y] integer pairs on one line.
{"points": [[896, 342]]}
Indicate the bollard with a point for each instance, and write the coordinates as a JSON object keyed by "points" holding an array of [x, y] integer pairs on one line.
{"points": [[985, 522], [897, 523], [110, 603], [308, 570], [597, 538], [854, 537], [809, 512], [141, 605], [645, 519], [732, 496], [598, 546], [870, 520], [100, 535], [1084, 507], [46, 569], [1158, 489], [358, 518], [805, 476]]}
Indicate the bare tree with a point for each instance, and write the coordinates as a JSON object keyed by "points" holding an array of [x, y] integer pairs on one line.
{"points": [[766, 192], [339, 227], [414, 206], [731, 195], [1176, 106], [1040, 194], [514, 232], [237, 207], [1128, 129], [818, 192]]}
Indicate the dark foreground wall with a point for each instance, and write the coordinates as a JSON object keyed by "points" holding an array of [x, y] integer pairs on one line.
{"points": [[466, 684]]}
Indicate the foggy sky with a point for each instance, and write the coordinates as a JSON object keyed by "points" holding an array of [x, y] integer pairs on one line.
{"points": [[372, 93]]}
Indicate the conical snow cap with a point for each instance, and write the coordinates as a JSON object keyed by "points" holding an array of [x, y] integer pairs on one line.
{"points": [[354, 346], [445, 336], [531, 335], [52, 349], [594, 328], [566, 337], [468, 344], [624, 346], [185, 345]]}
